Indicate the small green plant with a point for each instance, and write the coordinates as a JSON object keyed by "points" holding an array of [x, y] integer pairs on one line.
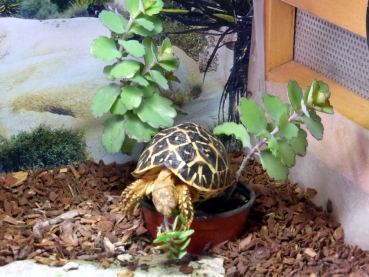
{"points": [[173, 239], [280, 136], [139, 69], [42, 147], [8, 8]]}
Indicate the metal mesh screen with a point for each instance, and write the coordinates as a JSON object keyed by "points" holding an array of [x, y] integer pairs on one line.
{"points": [[334, 52]]}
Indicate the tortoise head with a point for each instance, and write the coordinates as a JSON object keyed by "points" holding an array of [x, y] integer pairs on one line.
{"points": [[164, 194], [165, 199]]}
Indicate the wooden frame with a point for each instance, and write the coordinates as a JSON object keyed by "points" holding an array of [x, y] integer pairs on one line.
{"points": [[279, 38]]}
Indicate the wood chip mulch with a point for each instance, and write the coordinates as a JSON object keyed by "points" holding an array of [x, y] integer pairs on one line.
{"points": [[55, 216]]}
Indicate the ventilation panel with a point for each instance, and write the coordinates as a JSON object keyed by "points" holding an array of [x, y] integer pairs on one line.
{"points": [[334, 52]]}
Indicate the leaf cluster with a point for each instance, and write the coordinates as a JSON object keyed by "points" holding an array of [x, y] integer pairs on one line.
{"points": [[42, 147], [173, 239], [277, 126], [139, 69]]}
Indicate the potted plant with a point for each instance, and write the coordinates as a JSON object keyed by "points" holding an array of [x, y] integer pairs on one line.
{"points": [[279, 138], [208, 226], [140, 68]]}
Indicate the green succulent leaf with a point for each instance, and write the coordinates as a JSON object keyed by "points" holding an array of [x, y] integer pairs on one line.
{"points": [[325, 108], [149, 90], [133, 47], [186, 233], [274, 106], [153, 6], [310, 93], [159, 78], [299, 143], [104, 99], [125, 69], [273, 145], [113, 136], [107, 70], [174, 250], [273, 166], [113, 21], [252, 116], [149, 56], [314, 116], [140, 30], [118, 107], [136, 129], [237, 130], [104, 48], [271, 126], [315, 127], [147, 24], [169, 62], [294, 94], [287, 130], [185, 245], [304, 108], [131, 97], [272, 141], [166, 47], [149, 78], [163, 246], [170, 77], [132, 6], [285, 153], [156, 111], [137, 78], [321, 99], [182, 254], [128, 145]]}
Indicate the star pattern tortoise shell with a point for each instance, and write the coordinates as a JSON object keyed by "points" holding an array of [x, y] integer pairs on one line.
{"points": [[193, 154]]}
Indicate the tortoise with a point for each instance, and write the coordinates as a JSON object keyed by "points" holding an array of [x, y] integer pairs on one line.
{"points": [[180, 165]]}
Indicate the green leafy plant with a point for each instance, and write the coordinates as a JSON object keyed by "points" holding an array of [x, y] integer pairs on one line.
{"points": [[172, 239], [140, 68], [42, 147], [8, 8], [277, 126]]}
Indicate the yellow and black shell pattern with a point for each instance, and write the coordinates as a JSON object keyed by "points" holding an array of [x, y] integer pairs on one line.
{"points": [[193, 154]]}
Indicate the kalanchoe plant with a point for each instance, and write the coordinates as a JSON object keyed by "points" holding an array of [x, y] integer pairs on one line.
{"points": [[173, 240], [277, 126], [139, 69]]}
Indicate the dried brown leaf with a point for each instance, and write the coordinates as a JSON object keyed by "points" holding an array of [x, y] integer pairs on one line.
{"points": [[186, 269], [245, 242]]}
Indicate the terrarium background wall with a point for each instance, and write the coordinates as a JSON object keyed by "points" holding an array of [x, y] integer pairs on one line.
{"points": [[48, 76]]}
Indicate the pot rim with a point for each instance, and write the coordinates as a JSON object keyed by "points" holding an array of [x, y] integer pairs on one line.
{"points": [[244, 207]]}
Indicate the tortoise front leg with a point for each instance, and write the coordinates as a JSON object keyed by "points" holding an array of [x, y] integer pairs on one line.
{"points": [[132, 194], [185, 205]]}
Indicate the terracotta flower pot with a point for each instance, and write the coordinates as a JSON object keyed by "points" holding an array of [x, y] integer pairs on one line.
{"points": [[211, 228]]}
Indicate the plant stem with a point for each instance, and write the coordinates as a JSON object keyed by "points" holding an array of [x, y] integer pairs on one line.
{"points": [[263, 141]]}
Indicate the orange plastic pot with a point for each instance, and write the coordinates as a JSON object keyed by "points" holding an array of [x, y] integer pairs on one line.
{"points": [[209, 229]]}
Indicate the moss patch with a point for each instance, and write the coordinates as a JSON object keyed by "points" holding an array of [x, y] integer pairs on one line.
{"points": [[42, 147], [193, 44]]}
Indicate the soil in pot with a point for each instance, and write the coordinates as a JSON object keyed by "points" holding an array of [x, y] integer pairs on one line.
{"points": [[216, 220]]}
